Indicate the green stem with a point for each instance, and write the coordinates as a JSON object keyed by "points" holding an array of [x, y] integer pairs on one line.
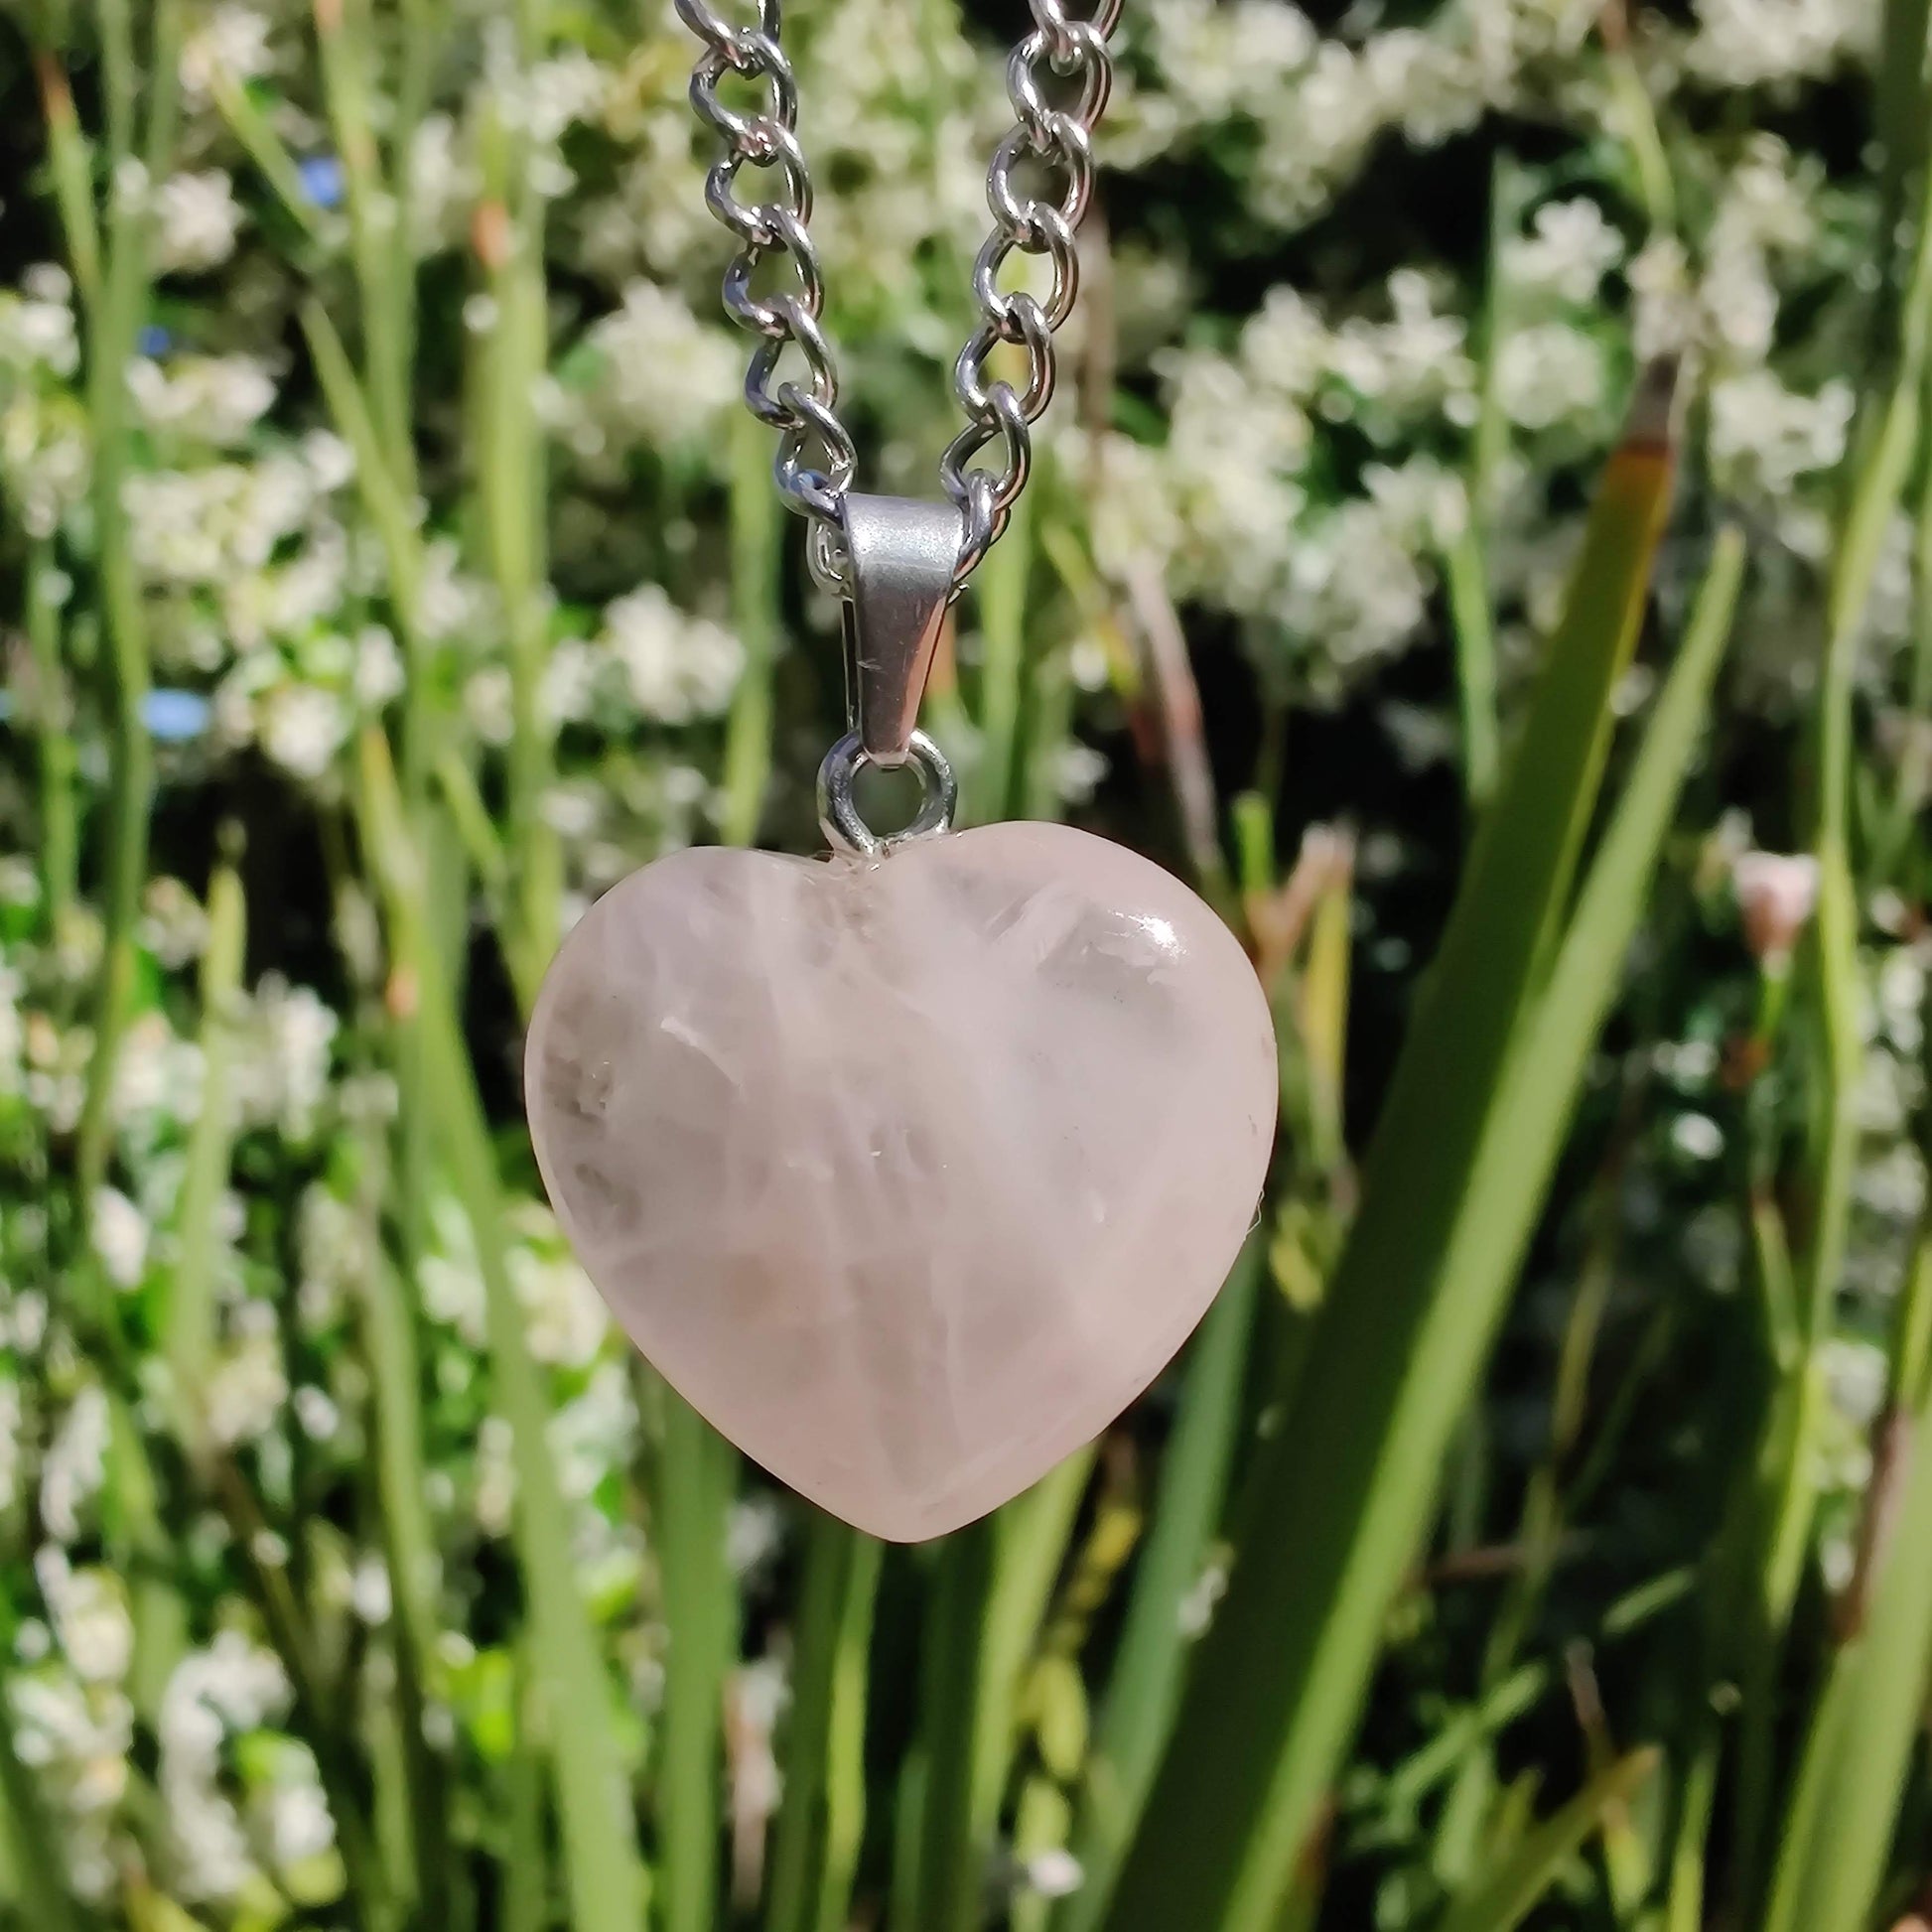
{"points": [[58, 759], [1003, 631], [605, 1879], [952, 1858], [188, 1334], [822, 1819], [111, 335], [755, 552], [696, 1477]]}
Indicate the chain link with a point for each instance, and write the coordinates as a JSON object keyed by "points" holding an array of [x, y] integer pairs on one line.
{"points": [[1058, 142], [1061, 56], [807, 418]]}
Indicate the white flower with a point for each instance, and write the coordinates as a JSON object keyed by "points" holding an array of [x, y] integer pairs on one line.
{"points": [[449, 1280], [1570, 251], [1856, 1375], [230, 43], [214, 399], [1765, 437], [39, 332], [299, 1825], [680, 666], [495, 1498], [1077, 771], [211, 525], [71, 1469], [1222, 61], [197, 220], [1053, 1874], [570, 680], [317, 1413], [174, 925], [302, 727], [562, 91], [330, 460], [1697, 1136], [1354, 591], [90, 1616], [246, 1388], [379, 674], [76, 1737], [449, 603], [566, 1320], [120, 1237], [229, 1688], [287, 1071], [1411, 362], [157, 1078], [1197, 1608], [755, 1695], [1666, 309], [1230, 465], [370, 1595], [596, 1432], [443, 185], [754, 1533], [667, 376], [1550, 374], [44, 457], [1285, 344], [1746, 43]]}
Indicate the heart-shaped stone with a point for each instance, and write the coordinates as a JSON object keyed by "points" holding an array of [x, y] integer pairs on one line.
{"points": [[909, 1174]]}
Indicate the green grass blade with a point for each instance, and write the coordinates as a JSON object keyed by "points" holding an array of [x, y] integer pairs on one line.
{"points": [[188, 1334], [1508, 1895], [409, 1547], [1856, 1764], [1466, 1148], [1900, 109], [604, 1874], [1466, 574], [1035, 1530], [1003, 627], [822, 1818], [756, 553], [696, 1475], [1852, 1774], [1145, 1684], [994, 1583], [951, 1861]]}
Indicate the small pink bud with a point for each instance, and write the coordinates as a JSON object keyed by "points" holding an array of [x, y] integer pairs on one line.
{"points": [[1776, 892]]}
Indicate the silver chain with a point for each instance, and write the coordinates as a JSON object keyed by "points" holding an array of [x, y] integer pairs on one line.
{"points": [[1057, 141]]}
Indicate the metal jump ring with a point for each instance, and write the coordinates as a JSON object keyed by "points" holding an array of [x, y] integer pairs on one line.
{"points": [[838, 810]]}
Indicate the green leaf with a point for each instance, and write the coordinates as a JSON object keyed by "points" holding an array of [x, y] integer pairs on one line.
{"points": [[990, 1593], [1857, 1760], [1507, 1897], [188, 1332], [822, 1818], [1143, 1686], [1455, 1180], [604, 1876], [697, 1471]]}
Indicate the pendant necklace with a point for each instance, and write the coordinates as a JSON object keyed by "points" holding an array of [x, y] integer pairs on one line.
{"points": [[910, 1169]]}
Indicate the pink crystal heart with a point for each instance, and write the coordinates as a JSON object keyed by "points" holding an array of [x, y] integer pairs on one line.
{"points": [[907, 1173]]}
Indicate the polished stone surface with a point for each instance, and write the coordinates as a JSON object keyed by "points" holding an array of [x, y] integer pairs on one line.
{"points": [[907, 1173]]}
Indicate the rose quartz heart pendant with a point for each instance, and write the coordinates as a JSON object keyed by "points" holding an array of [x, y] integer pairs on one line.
{"points": [[908, 1173]]}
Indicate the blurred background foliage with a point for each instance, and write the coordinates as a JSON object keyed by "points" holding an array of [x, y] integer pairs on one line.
{"points": [[1534, 1534]]}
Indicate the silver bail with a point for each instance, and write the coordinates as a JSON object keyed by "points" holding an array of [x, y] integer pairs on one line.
{"points": [[901, 555]]}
